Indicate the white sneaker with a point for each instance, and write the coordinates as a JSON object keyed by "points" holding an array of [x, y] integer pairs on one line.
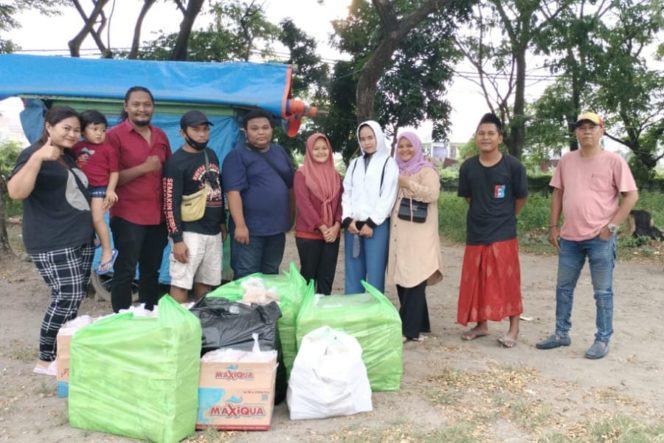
{"points": [[50, 370]]}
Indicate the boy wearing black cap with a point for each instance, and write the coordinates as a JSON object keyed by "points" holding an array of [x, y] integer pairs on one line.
{"points": [[193, 172], [496, 187]]}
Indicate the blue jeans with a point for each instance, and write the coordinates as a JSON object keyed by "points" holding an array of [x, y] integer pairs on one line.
{"points": [[371, 263], [601, 259], [263, 254]]}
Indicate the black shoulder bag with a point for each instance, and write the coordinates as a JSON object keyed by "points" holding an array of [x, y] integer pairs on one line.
{"points": [[413, 210]]}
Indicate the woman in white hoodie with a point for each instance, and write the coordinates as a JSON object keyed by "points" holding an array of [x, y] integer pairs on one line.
{"points": [[370, 189]]}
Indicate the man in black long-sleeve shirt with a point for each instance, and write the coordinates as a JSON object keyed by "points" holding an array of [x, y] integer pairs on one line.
{"points": [[196, 250]]}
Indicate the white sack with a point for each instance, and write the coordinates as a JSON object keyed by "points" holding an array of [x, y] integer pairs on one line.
{"points": [[328, 377]]}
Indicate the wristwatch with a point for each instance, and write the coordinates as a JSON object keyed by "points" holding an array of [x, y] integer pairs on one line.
{"points": [[612, 228]]}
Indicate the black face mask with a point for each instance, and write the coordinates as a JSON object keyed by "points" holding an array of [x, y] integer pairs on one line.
{"points": [[196, 145]]}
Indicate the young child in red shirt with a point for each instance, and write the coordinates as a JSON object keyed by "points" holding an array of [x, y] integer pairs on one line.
{"points": [[99, 161]]}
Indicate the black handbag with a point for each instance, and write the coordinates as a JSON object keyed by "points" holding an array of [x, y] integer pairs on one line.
{"points": [[413, 210]]}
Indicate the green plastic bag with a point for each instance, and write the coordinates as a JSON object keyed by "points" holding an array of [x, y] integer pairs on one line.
{"points": [[292, 289], [372, 320], [137, 376]]}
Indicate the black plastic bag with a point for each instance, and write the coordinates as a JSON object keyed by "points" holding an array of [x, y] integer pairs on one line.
{"points": [[228, 324]]}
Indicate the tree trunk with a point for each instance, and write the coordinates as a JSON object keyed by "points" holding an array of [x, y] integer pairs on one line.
{"points": [[518, 123], [88, 28], [5, 248], [182, 43], [393, 30], [136, 41], [367, 83]]}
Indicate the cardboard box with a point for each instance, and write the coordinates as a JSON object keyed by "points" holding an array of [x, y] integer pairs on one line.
{"points": [[62, 356], [62, 365], [236, 396]]}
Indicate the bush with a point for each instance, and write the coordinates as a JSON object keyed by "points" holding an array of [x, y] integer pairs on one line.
{"points": [[9, 151], [533, 222]]}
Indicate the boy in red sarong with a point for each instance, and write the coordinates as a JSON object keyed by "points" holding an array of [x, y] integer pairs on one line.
{"points": [[496, 188]]}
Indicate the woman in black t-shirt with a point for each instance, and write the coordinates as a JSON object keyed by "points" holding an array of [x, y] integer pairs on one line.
{"points": [[57, 223]]}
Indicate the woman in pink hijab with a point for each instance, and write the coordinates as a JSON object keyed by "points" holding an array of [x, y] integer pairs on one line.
{"points": [[414, 260], [318, 189]]}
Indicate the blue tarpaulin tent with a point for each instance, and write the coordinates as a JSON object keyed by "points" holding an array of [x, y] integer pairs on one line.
{"points": [[218, 89]]}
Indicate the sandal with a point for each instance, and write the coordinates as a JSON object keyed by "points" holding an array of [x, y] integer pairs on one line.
{"points": [[107, 266], [507, 341]]}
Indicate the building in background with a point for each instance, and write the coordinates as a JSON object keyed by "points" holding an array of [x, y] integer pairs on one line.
{"points": [[442, 153]]}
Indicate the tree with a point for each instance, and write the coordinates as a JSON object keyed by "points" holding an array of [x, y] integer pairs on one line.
{"points": [[413, 78], [572, 47], [629, 93], [96, 18], [414, 88], [501, 66], [395, 21], [312, 73], [9, 152], [8, 8], [189, 14], [236, 32], [136, 40], [600, 52], [95, 23]]}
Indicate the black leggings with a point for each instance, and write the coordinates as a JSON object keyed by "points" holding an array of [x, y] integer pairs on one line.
{"points": [[318, 261]]}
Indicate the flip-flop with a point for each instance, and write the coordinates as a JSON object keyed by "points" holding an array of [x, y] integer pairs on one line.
{"points": [[107, 266], [507, 341], [472, 334]]}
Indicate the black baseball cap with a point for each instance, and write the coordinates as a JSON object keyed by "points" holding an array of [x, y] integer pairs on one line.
{"points": [[194, 118]]}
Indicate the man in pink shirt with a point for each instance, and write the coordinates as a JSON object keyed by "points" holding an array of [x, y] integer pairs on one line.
{"points": [[587, 185], [137, 222]]}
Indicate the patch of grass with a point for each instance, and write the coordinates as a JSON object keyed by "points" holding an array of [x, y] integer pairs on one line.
{"points": [[485, 397], [459, 433], [554, 437], [528, 414], [452, 216], [444, 396], [389, 434], [624, 429]]}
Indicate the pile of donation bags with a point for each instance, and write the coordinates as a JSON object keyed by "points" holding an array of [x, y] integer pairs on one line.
{"points": [[142, 377]]}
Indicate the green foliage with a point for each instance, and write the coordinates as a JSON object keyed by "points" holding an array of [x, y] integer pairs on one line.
{"points": [[549, 129], [452, 216], [533, 222], [597, 50], [311, 74], [468, 149], [237, 30], [9, 152], [413, 87]]}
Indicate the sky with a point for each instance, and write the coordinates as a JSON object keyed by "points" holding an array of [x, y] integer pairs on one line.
{"points": [[313, 16]]}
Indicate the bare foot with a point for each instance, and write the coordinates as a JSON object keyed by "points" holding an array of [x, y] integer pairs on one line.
{"points": [[477, 332]]}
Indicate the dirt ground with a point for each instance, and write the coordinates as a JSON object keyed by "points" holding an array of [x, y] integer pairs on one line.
{"points": [[451, 391]]}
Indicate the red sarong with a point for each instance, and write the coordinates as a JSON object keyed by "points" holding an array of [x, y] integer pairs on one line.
{"points": [[490, 286]]}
